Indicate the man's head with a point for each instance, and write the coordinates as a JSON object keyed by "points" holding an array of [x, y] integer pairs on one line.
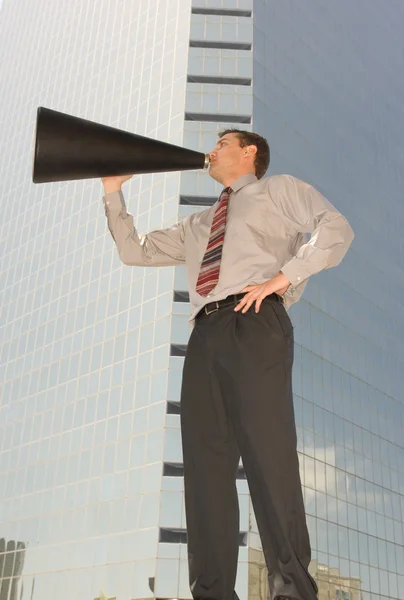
{"points": [[238, 153]]}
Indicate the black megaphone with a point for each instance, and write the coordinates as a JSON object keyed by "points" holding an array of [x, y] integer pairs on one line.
{"points": [[69, 148]]}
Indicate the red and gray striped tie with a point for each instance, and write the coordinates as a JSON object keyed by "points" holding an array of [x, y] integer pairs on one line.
{"points": [[210, 268]]}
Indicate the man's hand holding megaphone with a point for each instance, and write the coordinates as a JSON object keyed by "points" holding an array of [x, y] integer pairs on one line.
{"points": [[114, 184]]}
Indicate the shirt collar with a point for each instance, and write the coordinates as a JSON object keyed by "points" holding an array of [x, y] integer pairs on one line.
{"points": [[242, 181]]}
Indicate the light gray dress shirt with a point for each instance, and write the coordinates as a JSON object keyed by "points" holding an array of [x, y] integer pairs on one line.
{"points": [[266, 222]]}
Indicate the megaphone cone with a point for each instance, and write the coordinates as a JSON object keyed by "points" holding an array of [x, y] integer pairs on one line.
{"points": [[69, 148]]}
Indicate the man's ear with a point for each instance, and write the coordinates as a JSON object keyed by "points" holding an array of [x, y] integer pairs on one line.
{"points": [[252, 149]]}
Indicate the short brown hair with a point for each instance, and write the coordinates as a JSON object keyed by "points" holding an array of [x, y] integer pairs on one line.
{"points": [[247, 138]]}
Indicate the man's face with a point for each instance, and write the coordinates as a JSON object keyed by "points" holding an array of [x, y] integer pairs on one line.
{"points": [[227, 158]]}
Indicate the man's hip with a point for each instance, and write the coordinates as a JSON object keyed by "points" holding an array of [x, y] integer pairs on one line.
{"points": [[232, 300]]}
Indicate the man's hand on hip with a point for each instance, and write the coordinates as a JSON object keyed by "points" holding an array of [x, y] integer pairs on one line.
{"points": [[256, 293]]}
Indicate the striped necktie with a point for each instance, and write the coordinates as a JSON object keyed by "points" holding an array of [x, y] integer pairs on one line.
{"points": [[210, 268]]}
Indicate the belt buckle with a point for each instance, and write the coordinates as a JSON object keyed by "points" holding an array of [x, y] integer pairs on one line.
{"points": [[212, 311]]}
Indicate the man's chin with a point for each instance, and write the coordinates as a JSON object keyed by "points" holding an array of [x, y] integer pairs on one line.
{"points": [[215, 174]]}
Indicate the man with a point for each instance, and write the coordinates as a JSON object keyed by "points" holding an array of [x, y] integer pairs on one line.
{"points": [[247, 260]]}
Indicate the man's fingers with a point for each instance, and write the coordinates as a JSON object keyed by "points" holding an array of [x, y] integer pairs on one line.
{"points": [[243, 302], [247, 306], [249, 298], [259, 302], [249, 302]]}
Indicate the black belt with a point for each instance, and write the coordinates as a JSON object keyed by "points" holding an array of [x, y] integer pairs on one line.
{"points": [[231, 300]]}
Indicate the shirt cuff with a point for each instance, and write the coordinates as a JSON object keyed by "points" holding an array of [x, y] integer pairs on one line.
{"points": [[295, 272], [114, 201]]}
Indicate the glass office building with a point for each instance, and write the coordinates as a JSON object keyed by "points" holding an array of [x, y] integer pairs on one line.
{"points": [[91, 488]]}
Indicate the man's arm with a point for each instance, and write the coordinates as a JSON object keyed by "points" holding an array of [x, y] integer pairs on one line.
{"points": [[158, 248], [307, 211]]}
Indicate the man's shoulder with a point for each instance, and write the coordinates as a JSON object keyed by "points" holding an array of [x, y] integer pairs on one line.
{"points": [[200, 215], [283, 179], [285, 184]]}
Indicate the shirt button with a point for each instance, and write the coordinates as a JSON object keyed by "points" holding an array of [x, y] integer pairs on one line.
{"points": [[209, 295]]}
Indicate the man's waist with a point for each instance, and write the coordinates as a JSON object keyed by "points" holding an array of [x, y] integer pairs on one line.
{"points": [[231, 300]]}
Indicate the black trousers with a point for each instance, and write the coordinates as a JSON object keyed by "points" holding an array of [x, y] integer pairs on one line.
{"points": [[236, 399]]}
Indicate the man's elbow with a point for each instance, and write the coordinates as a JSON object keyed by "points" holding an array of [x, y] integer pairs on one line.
{"points": [[340, 250], [132, 258], [345, 233], [349, 233]]}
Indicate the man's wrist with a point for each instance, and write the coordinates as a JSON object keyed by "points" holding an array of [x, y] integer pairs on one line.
{"points": [[110, 189], [283, 279]]}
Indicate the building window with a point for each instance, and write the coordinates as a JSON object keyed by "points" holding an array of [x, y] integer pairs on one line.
{"points": [[219, 80], [222, 12], [177, 470], [220, 45], [179, 536], [198, 200], [215, 118], [173, 408], [178, 349]]}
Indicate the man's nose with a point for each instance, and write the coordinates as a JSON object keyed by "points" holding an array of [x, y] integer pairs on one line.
{"points": [[212, 155]]}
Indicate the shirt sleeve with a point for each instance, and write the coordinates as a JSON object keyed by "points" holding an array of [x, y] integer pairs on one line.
{"points": [[160, 248], [308, 211]]}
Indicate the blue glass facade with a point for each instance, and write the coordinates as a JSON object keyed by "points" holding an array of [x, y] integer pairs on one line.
{"points": [[327, 97], [85, 341], [91, 351]]}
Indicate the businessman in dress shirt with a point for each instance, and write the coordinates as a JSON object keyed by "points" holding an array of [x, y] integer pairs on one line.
{"points": [[247, 261]]}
